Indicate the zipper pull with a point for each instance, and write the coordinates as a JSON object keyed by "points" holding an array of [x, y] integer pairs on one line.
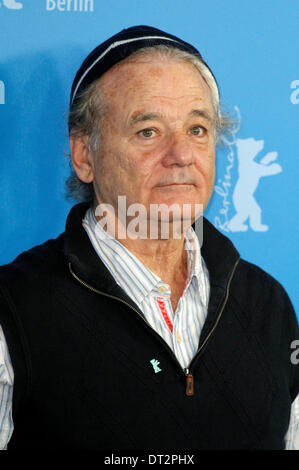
{"points": [[189, 383]]}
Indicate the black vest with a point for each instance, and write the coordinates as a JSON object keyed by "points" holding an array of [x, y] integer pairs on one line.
{"points": [[82, 351]]}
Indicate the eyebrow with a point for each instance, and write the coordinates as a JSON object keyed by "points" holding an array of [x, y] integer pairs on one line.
{"points": [[150, 116], [201, 113], [144, 117]]}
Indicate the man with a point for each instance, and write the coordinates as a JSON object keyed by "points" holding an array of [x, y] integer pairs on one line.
{"points": [[116, 336]]}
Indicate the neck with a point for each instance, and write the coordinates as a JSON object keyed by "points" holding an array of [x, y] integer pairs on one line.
{"points": [[166, 257]]}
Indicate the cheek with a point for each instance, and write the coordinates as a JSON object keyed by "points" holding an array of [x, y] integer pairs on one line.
{"points": [[119, 172], [211, 175], [137, 163], [212, 166], [211, 179], [205, 162]]}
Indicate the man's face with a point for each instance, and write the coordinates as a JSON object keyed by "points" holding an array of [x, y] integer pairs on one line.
{"points": [[157, 136]]}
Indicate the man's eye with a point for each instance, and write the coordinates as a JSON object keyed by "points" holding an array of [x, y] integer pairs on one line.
{"points": [[147, 133], [197, 130]]}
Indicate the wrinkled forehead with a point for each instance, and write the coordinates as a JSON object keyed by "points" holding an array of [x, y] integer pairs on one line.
{"points": [[153, 78]]}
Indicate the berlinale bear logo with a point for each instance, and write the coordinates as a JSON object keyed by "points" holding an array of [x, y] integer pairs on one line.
{"points": [[240, 209], [250, 172], [12, 4]]}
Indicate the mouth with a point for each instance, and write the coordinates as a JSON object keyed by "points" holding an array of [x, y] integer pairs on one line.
{"points": [[175, 185]]}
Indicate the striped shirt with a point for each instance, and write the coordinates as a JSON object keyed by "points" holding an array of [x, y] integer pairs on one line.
{"points": [[180, 330], [6, 388]]}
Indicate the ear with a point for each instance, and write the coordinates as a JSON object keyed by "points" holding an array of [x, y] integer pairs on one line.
{"points": [[81, 158]]}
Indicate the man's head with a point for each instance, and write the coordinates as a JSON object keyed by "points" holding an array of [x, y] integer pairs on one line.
{"points": [[145, 126]]}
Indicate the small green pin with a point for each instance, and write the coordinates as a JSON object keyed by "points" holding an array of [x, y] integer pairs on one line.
{"points": [[155, 363]]}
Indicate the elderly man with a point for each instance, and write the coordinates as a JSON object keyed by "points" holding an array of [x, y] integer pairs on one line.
{"points": [[116, 339]]}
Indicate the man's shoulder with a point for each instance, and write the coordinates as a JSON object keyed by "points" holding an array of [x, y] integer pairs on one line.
{"points": [[259, 289], [33, 264], [221, 256], [251, 272]]}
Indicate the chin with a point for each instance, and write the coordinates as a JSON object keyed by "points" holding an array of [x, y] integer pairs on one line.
{"points": [[174, 209]]}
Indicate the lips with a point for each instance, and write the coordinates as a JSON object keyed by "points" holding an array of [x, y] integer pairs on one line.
{"points": [[174, 183], [166, 185]]}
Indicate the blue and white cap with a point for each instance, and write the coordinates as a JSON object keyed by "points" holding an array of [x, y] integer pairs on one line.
{"points": [[118, 48]]}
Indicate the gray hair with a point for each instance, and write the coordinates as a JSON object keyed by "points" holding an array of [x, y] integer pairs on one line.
{"points": [[89, 108]]}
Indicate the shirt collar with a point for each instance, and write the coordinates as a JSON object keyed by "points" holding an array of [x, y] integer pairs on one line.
{"points": [[124, 266], [147, 280]]}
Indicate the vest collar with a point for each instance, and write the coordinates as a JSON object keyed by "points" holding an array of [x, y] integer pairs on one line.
{"points": [[217, 250]]}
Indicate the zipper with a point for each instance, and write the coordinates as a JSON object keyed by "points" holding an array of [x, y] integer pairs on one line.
{"points": [[219, 314], [188, 374], [189, 382], [186, 371], [88, 286]]}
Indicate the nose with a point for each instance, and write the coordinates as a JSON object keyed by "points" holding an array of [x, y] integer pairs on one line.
{"points": [[178, 152]]}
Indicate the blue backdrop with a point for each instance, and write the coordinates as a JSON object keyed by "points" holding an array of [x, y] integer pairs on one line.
{"points": [[251, 46]]}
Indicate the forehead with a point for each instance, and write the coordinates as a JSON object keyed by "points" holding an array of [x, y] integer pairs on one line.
{"points": [[154, 81]]}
